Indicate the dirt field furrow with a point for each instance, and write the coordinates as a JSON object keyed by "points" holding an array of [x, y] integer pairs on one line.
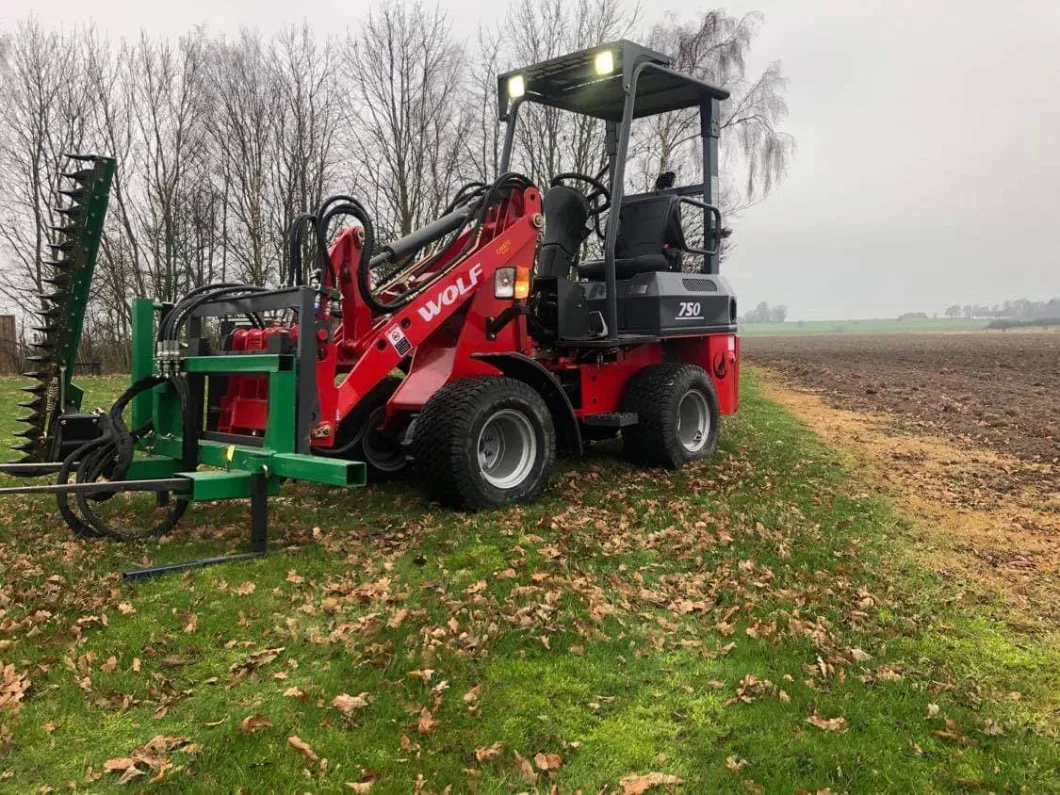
{"points": [[963, 428]]}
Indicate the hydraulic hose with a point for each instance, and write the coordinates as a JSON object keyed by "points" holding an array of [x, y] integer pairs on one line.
{"points": [[477, 200], [110, 455]]}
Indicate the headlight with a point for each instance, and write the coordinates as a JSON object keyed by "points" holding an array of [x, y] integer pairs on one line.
{"points": [[511, 283], [504, 283]]}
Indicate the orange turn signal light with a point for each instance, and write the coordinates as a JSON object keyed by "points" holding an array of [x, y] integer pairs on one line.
{"points": [[522, 283]]}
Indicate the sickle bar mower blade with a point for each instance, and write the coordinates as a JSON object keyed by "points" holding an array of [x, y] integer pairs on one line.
{"points": [[82, 202]]}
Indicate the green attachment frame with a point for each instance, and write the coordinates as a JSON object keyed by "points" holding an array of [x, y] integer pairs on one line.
{"points": [[232, 464]]}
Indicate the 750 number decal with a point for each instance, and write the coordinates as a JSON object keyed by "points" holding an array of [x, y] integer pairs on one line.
{"points": [[690, 309]]}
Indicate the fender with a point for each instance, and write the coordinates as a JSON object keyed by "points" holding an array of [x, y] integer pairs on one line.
{"points": [[525, 369]]}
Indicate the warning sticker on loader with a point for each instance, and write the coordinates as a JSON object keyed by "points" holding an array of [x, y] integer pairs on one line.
{"points": [[398, 340]]}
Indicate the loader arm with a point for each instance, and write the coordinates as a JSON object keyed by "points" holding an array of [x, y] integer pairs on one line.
{"points": [[395, 337]]}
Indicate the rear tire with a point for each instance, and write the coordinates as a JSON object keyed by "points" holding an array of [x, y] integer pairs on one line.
{"points": [[678, 416], [484, 442]]}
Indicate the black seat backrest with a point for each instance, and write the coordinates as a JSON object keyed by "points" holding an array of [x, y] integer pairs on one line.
{"points": [[649, 225], [566, 212]]}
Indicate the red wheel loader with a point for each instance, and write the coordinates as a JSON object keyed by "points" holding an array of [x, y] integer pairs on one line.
{"points": [[467, 353]]}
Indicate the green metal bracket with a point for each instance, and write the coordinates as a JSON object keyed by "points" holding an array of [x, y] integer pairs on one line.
{"points": [[260, 363], [143, 356], [149, 467], [206, 486]]}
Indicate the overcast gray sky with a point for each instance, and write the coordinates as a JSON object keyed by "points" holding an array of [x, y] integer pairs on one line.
{"points": [[928, 163]]}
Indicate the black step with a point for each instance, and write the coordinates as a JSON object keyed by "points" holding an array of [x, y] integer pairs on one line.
{"points": [[623, 341], [612, 419]]}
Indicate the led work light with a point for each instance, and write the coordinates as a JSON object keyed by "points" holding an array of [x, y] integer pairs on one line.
{"points": [[516, 86], [604, 62]]}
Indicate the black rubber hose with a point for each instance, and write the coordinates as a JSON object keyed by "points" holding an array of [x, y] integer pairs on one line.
{"points": [[479, 210], [180, 313], [168, 320], [295, 275], [110, 455], [351, 208], [466, 193]]}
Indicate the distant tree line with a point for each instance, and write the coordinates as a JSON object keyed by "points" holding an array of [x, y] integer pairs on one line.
{"points": [[222, 141], [1020, 309], [764, 313]]}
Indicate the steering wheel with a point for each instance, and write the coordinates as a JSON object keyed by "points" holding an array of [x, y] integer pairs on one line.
{"points": [[601, 192]]}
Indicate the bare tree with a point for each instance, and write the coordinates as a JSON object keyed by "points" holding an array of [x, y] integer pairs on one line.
{"points": [[43, 116], [714, 48], [306, 79], [242, 135], [407, 116], [170, 113]]}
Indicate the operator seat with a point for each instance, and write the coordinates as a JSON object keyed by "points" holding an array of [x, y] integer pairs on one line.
{"points": [[650, 238]]}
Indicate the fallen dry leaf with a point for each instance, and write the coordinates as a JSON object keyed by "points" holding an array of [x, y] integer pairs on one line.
{"points": [[293, 692], [295, 577], [121, 763], [13, 686], [130, 774], [524, 768], [992, 728], [635, 785], [348, 704], [252, 722], [246, 589], [426, 722], [548, 761], [471, 696], [838, 724], [359, 786], [489, 752], [302, 747], [736, 764]]}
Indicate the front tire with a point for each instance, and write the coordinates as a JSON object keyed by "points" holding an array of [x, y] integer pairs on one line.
{"points": [[678, 416], [484, 442]]}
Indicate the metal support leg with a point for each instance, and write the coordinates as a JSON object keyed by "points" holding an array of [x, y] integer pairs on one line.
{"points": [[259, 536], [259, 514]]}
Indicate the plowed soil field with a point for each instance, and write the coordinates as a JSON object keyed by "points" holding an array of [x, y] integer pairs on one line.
{"points": [[965, 426]]}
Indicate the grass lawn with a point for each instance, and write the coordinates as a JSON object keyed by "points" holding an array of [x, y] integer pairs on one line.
{"points": [[749, 624], [872, 326]]}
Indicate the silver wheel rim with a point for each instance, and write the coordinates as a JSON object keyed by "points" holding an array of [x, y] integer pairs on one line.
{"points": [[693, 421], [507, 449]]}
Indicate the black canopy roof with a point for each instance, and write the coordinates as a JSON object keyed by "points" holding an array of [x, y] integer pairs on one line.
{"points": [[571, 82]]}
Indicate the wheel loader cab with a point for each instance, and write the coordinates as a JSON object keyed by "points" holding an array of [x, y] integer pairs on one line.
{"points": [[640, 286]]}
